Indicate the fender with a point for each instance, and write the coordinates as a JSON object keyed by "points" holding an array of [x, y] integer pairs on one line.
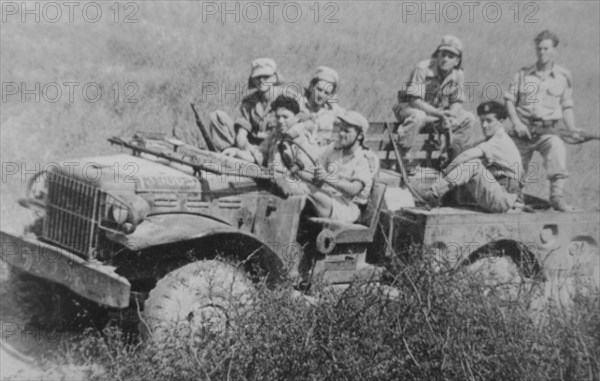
{"points": [[162, 229], [173, 228]]}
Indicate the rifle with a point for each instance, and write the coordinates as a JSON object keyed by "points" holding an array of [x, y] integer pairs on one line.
{"points": [[404, 176], [205, 135], [574, 137]]}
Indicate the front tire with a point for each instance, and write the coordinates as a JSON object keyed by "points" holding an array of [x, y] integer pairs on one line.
{"points": [[201, 296]]}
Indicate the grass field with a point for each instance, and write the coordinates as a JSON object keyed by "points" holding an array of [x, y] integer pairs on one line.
{"points": [[162, 61]]}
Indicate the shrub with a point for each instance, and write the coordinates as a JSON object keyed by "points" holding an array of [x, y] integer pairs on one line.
{"points": [[442, 325]]}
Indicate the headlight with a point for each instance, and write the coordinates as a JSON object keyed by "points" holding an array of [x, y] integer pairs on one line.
{"points": [[119, 213], [123, 212], [37, 188]]}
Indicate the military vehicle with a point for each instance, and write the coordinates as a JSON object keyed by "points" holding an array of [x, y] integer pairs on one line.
{"points": [[181, 233]]}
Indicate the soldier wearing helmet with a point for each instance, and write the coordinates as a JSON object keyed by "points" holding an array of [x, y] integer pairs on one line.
{"points": [[435, 91], [257, 117], [343, 179], [320, 107]]}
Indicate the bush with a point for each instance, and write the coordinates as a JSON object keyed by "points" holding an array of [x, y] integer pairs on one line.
{"points": [[442, 325]]}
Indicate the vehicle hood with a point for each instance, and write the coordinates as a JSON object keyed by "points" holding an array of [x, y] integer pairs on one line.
{"points": [[124, 172]]}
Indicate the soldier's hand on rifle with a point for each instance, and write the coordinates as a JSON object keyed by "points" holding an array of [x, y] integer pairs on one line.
{"points": [[577, 133], [521, 130]]}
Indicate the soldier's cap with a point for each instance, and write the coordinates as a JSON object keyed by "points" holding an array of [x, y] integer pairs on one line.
{"points": [[325, 73], [355, 119], [452, 44], [492, 107], [263, 67]]}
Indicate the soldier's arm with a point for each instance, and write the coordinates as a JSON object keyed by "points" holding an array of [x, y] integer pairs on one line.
{"points": [[520, 128], [569, 119], [241, 139], [416, 90], [429, 109], [566, 102], [463, 157], [457, 95]]}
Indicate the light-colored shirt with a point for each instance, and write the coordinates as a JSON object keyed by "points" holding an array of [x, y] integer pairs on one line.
{"points": [[501, 156], [538, 95], [320, 123], [426, 83], [353, 167]]}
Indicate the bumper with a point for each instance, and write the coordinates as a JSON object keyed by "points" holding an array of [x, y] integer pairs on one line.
{"points": [[92, 281]]}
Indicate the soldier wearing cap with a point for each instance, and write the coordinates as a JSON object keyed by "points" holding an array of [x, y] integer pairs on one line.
{"points": [[342, 182], [488, 173], [257, 117], [538, 98], [320, 111], [435, 91]]}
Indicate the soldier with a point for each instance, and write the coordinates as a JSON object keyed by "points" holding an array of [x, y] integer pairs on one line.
{"points": [[257, 118], [489, 172], [435, 91], [342, 182], [539, 97], [320, 109], [286, 113]]}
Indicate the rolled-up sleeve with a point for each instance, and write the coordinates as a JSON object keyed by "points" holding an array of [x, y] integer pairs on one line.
{"points": [[416, 86], [456, 89], [362, 173], [566, 100]]}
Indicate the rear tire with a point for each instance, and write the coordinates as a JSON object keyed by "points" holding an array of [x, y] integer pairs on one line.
{"points": [[205, 296]]}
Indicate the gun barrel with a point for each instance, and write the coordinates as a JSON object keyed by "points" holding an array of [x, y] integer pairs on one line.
{"points": [[575, 137]]}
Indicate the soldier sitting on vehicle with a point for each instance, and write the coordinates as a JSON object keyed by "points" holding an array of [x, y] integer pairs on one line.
{"points": [[341, 182], [489, 172], [319, 111], [435, 91], [287, 115], [257, 117]]}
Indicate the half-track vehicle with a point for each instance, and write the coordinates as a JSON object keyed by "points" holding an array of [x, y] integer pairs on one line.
{"points": [[179, 232]]}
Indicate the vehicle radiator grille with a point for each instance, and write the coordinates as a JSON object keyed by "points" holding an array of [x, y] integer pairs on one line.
{"points": [[72, 214]]}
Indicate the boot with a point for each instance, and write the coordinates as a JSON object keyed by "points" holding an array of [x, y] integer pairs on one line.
{"points": [[556, 196]]}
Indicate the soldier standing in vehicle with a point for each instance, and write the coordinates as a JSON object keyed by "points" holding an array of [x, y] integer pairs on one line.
{"points": [[435, 92], [538, 98], [489, 172]]}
